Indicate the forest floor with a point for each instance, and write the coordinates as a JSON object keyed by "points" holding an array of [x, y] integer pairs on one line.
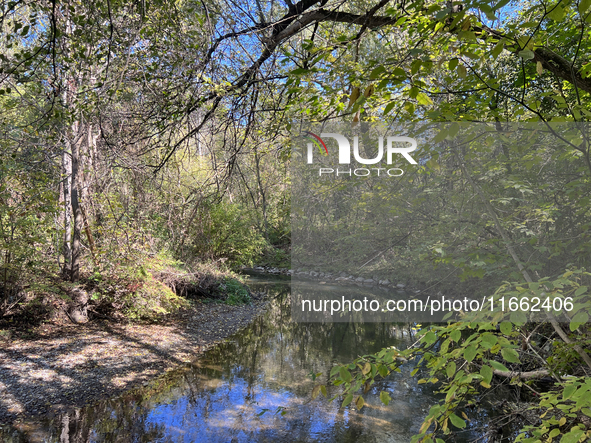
{"points": [[55, 367]]}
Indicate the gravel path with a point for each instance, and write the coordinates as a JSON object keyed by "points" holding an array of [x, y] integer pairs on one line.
{"points": [[75, 365]]}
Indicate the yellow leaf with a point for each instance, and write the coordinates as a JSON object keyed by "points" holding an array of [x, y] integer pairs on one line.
{"points": [[562, 421], [360, 402], [353, 97], [368, 91], [366, 368], [461, 71], [425, 425], [539, 68], [466, 25], [315, 391]]}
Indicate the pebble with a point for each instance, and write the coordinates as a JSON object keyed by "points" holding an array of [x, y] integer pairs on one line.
{"points": [[78, 365]]}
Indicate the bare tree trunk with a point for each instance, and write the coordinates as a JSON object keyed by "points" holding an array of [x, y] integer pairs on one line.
{"points": [[66, 186], [76, 211], [257, 161]]}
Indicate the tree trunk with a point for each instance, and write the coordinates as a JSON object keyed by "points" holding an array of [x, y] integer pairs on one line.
{"points": [[66, 185], [76, 211], [257, 160]]}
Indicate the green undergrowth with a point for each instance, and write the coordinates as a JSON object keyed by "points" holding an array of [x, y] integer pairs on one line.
{"points": [[277, 257], [236, 292], [146, 290]]}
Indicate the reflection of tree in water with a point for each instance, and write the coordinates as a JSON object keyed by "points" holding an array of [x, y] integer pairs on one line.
{"points": [[109, 421], [267, 363]]}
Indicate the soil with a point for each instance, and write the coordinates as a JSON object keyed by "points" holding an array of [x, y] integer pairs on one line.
{"points": [[55, 367]]}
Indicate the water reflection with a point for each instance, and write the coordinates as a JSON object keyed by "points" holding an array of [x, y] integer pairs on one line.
{"points": [[255, 387]]}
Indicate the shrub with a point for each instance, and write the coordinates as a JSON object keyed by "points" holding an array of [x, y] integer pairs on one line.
{"points": [[237, 293]]}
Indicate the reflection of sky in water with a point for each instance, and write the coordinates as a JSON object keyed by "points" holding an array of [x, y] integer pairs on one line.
{"points": [[229, 413], [267, 367], [222, 400]]}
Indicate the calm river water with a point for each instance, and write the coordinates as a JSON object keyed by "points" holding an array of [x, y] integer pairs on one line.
{"points": [[256, 387]]}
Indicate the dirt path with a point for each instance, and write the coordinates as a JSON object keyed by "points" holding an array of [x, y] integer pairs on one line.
{"points": [[66, 366]]}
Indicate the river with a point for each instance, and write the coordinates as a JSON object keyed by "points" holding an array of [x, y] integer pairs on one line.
{"points": [[256, 386]]}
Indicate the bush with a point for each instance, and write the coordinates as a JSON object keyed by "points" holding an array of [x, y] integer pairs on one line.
{"points": [[237, 293], [225, 231]]}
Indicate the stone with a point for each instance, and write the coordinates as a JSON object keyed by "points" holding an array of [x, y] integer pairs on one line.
{"points": [[401, 285]]}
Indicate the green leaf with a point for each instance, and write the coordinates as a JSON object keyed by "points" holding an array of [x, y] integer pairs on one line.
{"points": [[385, 397], [510, 355], [399, 72], [569, 391], [526, 54], [450, 370], [345, 375], [584, 5], [498, 366], [375, 73], [489, 340], [573, 436], [579, 318], [347, 400], [518, 317], [487, 373], [299, 71], [501, 4], [556, 14], [581, 289], [424, 99], [429, 338], [389, 107], [470, 352], [457, 421], [442, 135], [496, 51], [506, 327]]}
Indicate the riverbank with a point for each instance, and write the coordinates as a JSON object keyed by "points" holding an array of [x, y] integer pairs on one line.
{"points": [[56, 367]]}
